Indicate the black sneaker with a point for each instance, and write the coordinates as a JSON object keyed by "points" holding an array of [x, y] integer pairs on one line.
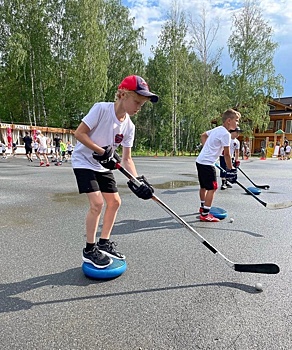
{"points": [[109, 249], [96, 258], [223, 187], [228, 185]]}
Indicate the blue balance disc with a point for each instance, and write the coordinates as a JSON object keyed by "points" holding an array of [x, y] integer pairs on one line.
{"points": [[117, 268], [254, 190], [219, 213]]}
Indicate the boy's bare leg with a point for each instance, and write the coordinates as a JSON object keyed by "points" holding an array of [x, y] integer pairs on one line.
{"points": [[207, 196], [93, 215], [202, 194], [113, 202]]}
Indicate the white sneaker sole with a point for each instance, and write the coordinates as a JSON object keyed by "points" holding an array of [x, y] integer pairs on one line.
{"points": [[97, 266]]}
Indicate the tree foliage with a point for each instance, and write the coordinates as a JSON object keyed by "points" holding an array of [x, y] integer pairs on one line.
{"points": [[253, 80], [58, 57]]}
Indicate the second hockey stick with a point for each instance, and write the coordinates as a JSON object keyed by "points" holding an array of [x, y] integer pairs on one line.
{"points": [[280, 205], [265, 187], [266, 268]]}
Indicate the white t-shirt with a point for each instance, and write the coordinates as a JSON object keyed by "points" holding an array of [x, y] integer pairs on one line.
{"points": [[42, 141], [69, 147], [288, 149], [218, 138], [105, 129], [234, 145]]}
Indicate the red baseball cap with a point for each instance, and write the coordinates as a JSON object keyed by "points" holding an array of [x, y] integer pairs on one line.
{"points": [[139, 85]]}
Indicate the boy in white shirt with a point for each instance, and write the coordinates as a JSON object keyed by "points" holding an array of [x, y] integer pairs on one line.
{"points": [[43, 148], [234, 152], [102, 130], [214, 142]]}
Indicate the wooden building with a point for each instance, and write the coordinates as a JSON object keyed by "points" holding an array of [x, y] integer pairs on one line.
{"points": [[10, 133], [279, 128]]}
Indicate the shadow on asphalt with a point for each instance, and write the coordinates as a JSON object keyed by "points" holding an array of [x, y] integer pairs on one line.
{"points": [[167, 223], [74, 277]]}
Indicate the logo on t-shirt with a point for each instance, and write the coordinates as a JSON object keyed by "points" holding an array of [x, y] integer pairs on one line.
{"points": [[119, 138]]}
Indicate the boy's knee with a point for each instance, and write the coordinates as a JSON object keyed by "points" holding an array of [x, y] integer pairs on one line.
{"points": [[117, 203], [96, 207]]}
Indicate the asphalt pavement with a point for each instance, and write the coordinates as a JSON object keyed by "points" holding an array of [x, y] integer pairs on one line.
{"points": [[175, 294]]}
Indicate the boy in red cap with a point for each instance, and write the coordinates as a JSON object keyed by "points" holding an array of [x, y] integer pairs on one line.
{"points": [[106, 126]]}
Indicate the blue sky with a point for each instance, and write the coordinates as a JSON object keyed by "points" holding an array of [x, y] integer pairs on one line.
{"points": [[151, 15]]}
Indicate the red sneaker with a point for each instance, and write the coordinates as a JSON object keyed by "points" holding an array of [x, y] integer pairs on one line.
{"points": [[209, 218], [48, 164], [42, 163]]}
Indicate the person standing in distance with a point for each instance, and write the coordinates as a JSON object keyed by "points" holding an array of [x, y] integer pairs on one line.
{"points": [[27, 139], [234, 152], [57, 141], [107, 126], [43, 148], [214, 142]]}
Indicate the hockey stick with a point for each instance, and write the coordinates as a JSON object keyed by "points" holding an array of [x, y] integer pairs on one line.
{"points": [[267, 268], [265, 187], [281, 205]]}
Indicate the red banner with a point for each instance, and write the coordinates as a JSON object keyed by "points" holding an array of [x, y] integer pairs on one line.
{"points": [[9, 137]]}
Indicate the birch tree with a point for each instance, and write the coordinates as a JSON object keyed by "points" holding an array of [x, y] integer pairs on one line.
{"points": [[253, 79]]}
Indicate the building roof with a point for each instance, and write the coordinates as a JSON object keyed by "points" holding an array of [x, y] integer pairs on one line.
{"points": [[287, 101], [280, 112]]}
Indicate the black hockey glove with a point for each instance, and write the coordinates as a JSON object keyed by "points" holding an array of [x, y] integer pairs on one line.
{"points": [[236, 163], [231, 175], [144, 191], [109, 159], [108, 152]]}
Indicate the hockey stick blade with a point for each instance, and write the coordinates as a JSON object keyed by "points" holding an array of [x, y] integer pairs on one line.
{"points": [[264, 187], [257, 268], [282, 205], [254, 268]]}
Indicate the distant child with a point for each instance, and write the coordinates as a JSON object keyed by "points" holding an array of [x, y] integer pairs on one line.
{"points": [[43, 148], [69, 149], [36, 146], [107, 126], [282, 152], [288, 151], [28, 146], [3, 149], [14, 148], [63, 150], [214, 142], [234, 152]]}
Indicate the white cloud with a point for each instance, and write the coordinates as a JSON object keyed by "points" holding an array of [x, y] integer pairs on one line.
{"points": [[152, 14]]}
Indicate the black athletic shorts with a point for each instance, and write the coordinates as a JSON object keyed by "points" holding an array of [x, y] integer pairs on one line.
{"points": [[92, 181], [28, 150], [207, 176]]}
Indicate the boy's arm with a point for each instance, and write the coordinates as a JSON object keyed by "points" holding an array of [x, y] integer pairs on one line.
{"points": [[236, 154], [227, 157], [204, 137], [128, 162], [81, 134]]}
